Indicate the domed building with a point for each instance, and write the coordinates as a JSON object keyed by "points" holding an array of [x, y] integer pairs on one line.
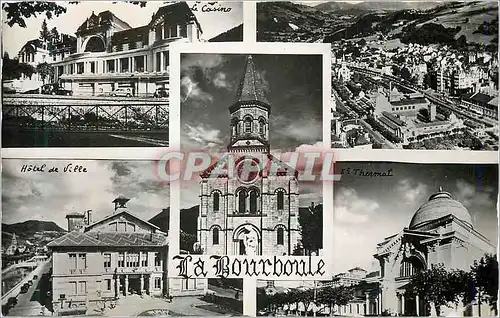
{"points": [[440, 231]]}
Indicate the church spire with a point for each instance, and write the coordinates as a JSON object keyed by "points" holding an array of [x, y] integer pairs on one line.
{"points": [[251, 87]]}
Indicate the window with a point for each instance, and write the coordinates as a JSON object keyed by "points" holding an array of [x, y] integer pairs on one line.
{"points": [[110, 66], [158, 32], [241, 201], [82, 288], [157, 282], [280, 200], [73, 288], [92, 67], [173, 31], [139, 63], [132, 260], [158, 61], [82, 261], [253, 201], [121, 260], [124, 65], [166, 60], [183, 31], [107, 260], [80, 68], [157, 259], [215, 236], [248, 125], [144, 259], [108, 284], [280, 233], [72, 261], [216, 201], [262, 128]]}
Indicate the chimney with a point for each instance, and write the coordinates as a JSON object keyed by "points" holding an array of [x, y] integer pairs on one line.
{"points": [[120, 203], [89, 217]]}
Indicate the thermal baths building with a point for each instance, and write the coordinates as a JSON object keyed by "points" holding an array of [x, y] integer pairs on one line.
{"points": [[441, 231], [111, 54], [115, 257]]}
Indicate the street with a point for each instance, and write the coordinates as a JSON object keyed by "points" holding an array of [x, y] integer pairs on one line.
{"points": [[29, 303]]}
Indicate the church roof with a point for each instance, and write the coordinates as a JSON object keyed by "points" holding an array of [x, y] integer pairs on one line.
{"points": [[112, 239], [440, 205], [118, 215], [251, 87]]}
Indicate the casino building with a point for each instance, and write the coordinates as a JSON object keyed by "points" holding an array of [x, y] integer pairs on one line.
{"points": [[440, 231], [115, 257], [256, 214], [111, 54]]}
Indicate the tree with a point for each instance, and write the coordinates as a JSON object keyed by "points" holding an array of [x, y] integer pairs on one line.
{"points": [[45, 71], [54, 35], [485, 275], [44, 31], [437, 286], [17, 12], [311, 228], [338, 295]]}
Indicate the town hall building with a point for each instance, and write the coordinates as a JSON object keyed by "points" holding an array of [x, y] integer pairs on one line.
{"points": [[254, 211], [117, 256]]}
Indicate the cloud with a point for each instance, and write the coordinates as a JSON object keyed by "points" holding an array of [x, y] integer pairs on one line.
{"points": [[469, 195], [191, 90], [410, 191], [351, 208], [220, 80], [204, 137]]}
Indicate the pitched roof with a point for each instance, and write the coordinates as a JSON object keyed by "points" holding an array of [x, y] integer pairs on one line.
{"points": [[117, 215], [178, 12], [103, 18], [410, 101], [251, 87], [112, 239]]}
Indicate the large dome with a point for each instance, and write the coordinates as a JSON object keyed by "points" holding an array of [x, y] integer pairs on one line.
{"points": [[440, 205]]}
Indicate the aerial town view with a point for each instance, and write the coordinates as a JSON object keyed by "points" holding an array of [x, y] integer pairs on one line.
{"points": [[406, 75], [87, 75]]}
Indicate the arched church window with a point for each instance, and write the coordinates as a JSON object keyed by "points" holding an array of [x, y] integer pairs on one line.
{"points": [[215, 236], [253, 201], [280, 198], [248, 125], [234, 127], [280, 236], [409, 267], [216, 198], [262, 127], [241, 201]]}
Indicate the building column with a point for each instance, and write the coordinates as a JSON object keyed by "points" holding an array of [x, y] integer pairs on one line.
{"points": [[117, 70], [150, 287], [367, 304], [117, 286], [142, 282], [402, 304], [162, 61], [130, 64], [417, 300], [126, 285]]}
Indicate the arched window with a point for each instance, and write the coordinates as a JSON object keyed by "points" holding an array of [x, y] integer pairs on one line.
{"points": [[262, 127], [253, 201], [241, 201], [410, 266], [280, 198], [280, 236], [248, 125], [215, 236], [216, 201], [234, 127]]}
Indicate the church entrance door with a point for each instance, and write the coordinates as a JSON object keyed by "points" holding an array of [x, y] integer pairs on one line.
{"points": [[247, 240]]}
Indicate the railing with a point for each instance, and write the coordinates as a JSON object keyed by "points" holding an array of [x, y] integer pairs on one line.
{"points": [[85, 114]]}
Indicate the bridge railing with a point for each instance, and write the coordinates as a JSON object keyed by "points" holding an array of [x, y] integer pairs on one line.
{"points": [[81, 114]]}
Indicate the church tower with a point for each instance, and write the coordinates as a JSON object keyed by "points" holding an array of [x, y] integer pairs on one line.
{"points": [[256, 214], [250, 113]]}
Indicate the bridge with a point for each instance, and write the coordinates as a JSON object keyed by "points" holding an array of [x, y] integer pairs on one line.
{"points": [[79, 121]]}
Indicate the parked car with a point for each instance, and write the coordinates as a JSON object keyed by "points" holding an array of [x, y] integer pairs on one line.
{"points": [[24, 288], [35, 277], [30, 283], [55, 89], [127, 92], [161, 92]]}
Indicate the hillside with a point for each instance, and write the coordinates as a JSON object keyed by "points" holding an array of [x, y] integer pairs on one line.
{"points": [[188, 219], [233, 35], [28, 228], [365, 7]]}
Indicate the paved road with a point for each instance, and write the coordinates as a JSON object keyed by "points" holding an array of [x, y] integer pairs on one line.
{"points": [[28, 303], [386, 144]]}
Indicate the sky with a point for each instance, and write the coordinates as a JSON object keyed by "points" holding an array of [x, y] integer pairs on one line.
{"points": [[50, 196], [212, 23], [369, 209], [293, 85]]}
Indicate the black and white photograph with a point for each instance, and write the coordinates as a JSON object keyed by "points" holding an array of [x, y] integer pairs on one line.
{"points": [[401, 229], [96, 74], [91, 237], [405, 75], [256, 108]]}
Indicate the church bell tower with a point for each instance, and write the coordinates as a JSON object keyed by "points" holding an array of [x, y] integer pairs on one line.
{"points": [[250, 114]]}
